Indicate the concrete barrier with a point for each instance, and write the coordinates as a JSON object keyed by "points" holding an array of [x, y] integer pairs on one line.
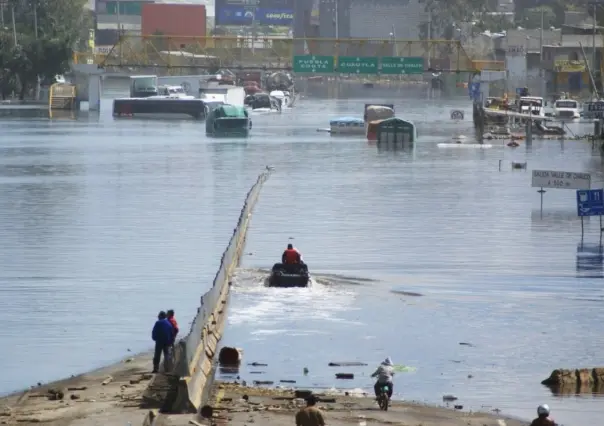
{"points": [[182, 389]]}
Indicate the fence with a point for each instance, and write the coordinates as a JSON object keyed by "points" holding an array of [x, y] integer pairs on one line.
{"points": [[182, 389]]}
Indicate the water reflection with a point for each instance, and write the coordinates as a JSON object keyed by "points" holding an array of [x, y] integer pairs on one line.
{"points": [[548, 219], [590, 260]]}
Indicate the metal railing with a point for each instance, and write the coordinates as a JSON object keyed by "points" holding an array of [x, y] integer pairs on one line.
{"points": [[274, 52]]}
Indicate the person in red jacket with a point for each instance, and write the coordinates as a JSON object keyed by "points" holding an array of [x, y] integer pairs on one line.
{"points": [[291, 256], [172, 320]]}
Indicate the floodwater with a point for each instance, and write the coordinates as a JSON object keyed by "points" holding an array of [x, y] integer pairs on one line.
{"points": [[104, 222]]}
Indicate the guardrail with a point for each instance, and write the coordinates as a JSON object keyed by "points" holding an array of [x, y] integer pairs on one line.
{"points": [[182, 389], [62, 96]]}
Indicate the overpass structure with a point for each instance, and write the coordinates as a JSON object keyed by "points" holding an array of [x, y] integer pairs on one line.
{"points": [[320, 56]]}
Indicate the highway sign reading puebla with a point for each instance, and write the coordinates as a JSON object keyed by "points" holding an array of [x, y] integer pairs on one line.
{"points": [[358, 64], [590, 202], [397, 65], [316, 64], [560, 180]]}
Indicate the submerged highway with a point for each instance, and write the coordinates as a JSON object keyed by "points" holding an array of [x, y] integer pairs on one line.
{"points": [[106, 221]]}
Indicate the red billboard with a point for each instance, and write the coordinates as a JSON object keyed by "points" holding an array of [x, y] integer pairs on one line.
{"points": [[174, 21]]}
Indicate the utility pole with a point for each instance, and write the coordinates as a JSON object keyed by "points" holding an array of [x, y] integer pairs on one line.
{"points": [[429, 37], [541, 73], [594, 4], [593, 50], [337, 23], [14, 25], [35, 18]]}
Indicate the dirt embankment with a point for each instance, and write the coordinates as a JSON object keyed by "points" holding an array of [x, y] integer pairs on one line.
{"points": [[109, 396], [238, 406], [112, 396]]}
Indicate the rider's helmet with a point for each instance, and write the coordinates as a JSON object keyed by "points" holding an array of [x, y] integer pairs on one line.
{"points": [[543, 410]]}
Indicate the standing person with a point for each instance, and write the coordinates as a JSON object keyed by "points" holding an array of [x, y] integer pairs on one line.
{"points": [[310, 415], [163, 336], [174, 324], [172, 320]]}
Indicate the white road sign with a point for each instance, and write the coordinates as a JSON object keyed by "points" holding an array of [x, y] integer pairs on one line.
{"points": [[560, 180]]}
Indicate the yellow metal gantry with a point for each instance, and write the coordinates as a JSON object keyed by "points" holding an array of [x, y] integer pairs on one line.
{"points": [[274, 53]]}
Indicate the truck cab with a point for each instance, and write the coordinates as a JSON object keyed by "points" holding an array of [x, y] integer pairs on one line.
{"points": [[567, 108]]}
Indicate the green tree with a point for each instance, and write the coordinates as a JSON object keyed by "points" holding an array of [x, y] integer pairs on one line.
{"points": [[8, 83], [47, 32]]}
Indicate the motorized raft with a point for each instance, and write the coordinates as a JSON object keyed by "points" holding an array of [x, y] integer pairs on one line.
{"points": [[289, 275]]}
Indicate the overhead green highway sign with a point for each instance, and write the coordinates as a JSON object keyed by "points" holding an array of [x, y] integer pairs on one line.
{"points": [[399, 65], [313, 64], [358, 64]]}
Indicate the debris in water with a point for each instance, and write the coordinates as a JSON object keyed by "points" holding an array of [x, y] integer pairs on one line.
{"points": [[347, 376], [346, 364]]}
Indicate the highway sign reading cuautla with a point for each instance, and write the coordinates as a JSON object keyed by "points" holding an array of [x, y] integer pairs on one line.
{"points": [[358, 64], [590, 202], [402, 65], [313, 64]]}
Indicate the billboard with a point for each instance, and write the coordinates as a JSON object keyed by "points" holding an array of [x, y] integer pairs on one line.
{"points": [[250, 12], [186, 20]]}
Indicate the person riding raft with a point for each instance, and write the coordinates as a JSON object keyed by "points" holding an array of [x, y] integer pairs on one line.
{"points": [[291, 256]]}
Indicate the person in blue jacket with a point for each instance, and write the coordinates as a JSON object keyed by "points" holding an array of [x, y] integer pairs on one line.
{"points": [[163, 336]]}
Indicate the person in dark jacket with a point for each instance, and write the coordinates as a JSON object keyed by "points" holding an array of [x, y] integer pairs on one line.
{"points": [[163, 336]]}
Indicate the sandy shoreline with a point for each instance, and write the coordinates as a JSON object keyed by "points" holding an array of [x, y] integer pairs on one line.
{"points": [[112, 396]]}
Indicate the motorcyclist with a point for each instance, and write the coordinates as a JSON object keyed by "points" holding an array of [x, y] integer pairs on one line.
{"points": [[384, 374], [543, 418]]}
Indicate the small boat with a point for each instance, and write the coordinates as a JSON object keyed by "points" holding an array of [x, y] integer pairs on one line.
{"points": [[283, 275], [228, 120], [347, 126]]}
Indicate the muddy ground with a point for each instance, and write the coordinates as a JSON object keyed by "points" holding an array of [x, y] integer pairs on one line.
{"points": [[112, 396], [109, 396], [238, 406]]}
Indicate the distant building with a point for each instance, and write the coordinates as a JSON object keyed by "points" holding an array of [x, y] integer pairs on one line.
{"points": [[108, 19]]}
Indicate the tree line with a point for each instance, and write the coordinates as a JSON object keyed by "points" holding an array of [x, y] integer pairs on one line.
{"points": [[37, 40]]}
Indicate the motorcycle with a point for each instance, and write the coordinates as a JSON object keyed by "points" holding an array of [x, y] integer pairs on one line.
{"points": [[383, 399]]}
